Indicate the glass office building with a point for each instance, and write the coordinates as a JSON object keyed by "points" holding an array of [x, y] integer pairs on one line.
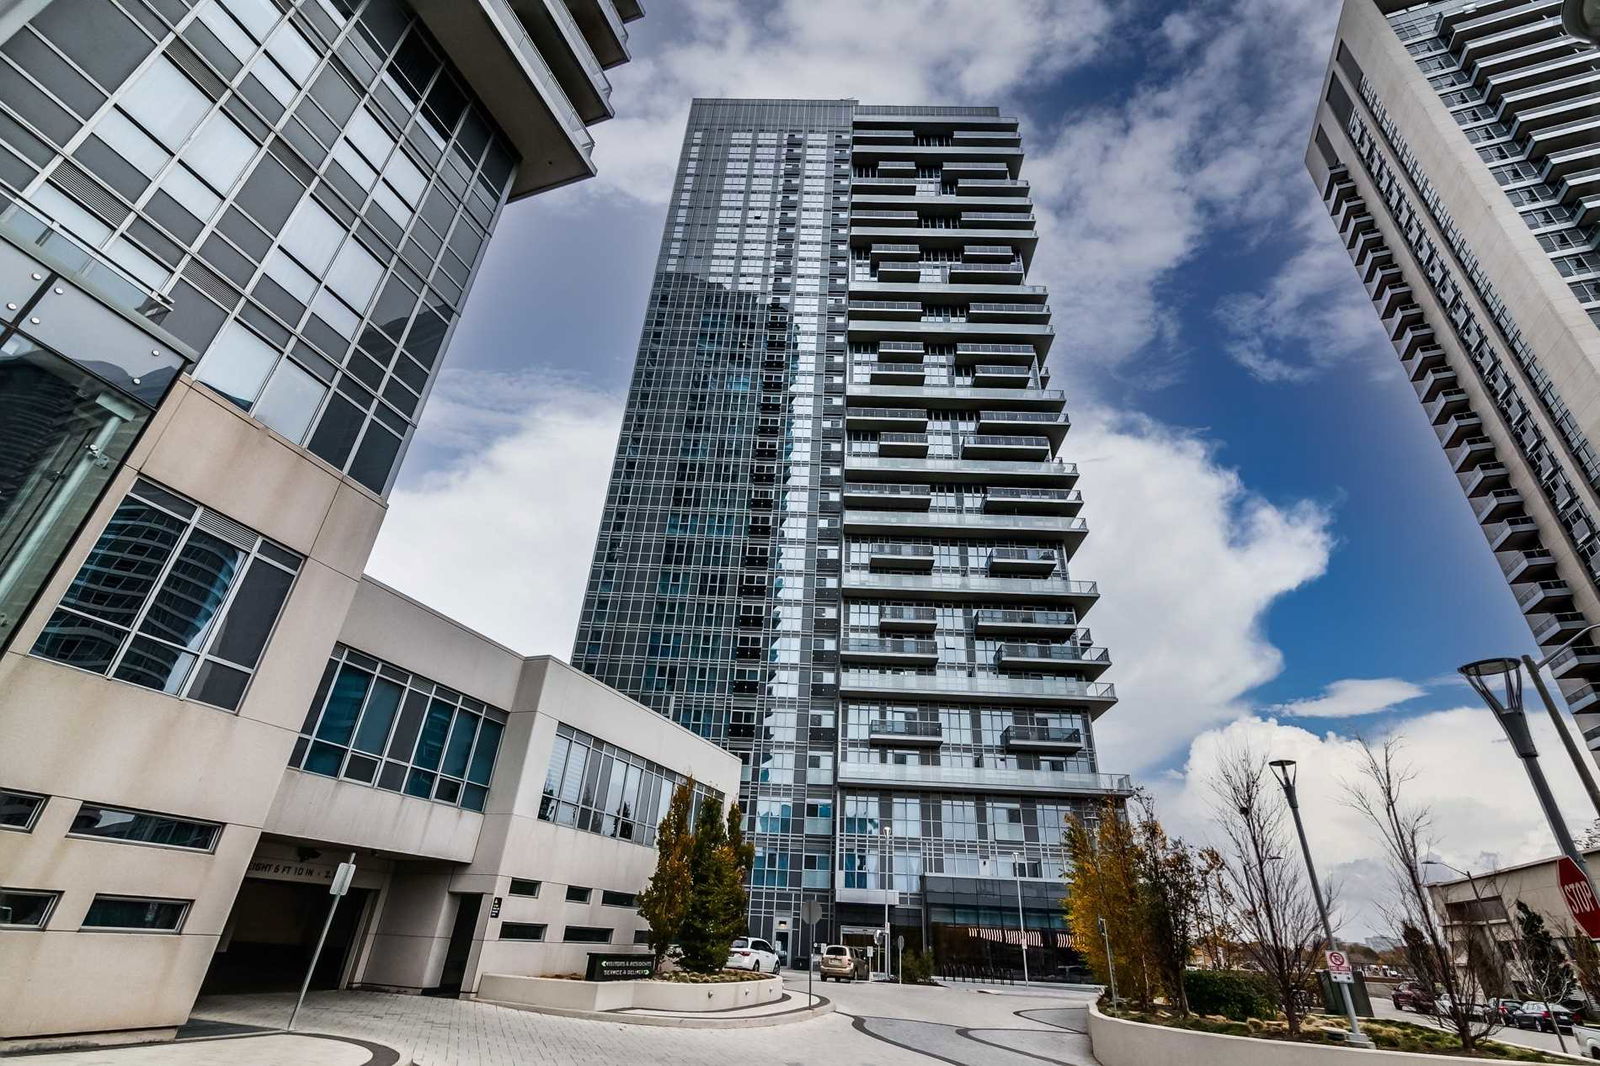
{"points": [[1454, 148], [837, 539]]}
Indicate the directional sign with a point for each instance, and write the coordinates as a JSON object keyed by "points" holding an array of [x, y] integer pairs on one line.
{"points": [[1339, 968], [810, 912], [1579, 895], [342, 878]]}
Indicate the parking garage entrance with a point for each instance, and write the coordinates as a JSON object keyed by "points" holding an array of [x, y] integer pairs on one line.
{"points": [[272, 932]]}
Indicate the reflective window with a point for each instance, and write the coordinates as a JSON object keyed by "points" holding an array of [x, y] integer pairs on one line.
{"points": [[142, 827], [601, 788], [19, 810], [237, 364], [173, 597], [290, 401], [381, 725], [136, 914], [521, 931], [23, 908], [584, 934], [168, 105]]}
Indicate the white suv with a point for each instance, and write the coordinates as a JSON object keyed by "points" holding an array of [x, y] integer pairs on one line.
{"points": [[754, 954]]}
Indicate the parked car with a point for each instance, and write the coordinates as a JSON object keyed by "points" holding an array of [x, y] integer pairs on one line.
{"points": [[1409, 995], [842, 964], [1545, 1017], [1445, 1007], [1588, 1040], [754, 954], [1501, 1010]]}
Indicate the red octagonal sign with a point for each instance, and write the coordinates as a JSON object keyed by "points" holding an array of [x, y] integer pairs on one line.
{"points": [[1578, 893]]}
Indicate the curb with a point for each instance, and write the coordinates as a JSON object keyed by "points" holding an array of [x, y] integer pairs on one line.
{"points": [[625, 1017]]}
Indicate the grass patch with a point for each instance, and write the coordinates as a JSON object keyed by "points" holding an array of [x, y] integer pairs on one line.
{"points": [[1322, 1029]]}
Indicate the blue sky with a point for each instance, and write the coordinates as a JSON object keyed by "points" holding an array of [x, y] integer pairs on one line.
{"points": [[1285, 557]]}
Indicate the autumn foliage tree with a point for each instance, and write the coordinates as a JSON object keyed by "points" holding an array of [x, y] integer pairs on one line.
{"points": [[665, 900]]}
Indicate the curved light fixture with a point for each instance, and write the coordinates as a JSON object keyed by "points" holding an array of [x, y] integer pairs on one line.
{"points": [[1581, 18]]}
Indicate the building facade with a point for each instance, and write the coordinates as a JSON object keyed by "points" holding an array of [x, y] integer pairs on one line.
{"points": [[1455, 148], [235, 238], [837, 537]]}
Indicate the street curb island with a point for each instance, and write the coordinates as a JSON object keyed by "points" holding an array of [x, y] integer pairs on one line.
{"points": [[1119, 1042], [688, 1006]]}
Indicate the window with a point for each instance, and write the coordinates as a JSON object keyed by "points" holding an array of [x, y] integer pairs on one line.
{"points": [[584, 934], [521, 931], [174, 597], [578, 894], [519, 887], [641, 936], [19, 810], [600, 788], [140, 827], [618, 899], [373, 722], [20, 907], [136, 913]]}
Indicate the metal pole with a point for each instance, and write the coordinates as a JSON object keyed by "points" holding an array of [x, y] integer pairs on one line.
{"points": [[1357, 1038], [1022, 927], [888, 885], [1580, 761], [1111, 966], [305, 986], [810, 999]]}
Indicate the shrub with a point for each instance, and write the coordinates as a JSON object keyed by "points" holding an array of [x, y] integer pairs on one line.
{"points": [[1233, 994], [916, 968]]}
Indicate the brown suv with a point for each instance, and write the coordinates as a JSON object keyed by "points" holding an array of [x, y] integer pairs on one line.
{"points": [[841, 963]]}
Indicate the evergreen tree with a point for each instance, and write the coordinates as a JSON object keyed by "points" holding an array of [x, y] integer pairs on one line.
{"points": [[1544, 966], [707, 930], [742, 856], [665, 900]]}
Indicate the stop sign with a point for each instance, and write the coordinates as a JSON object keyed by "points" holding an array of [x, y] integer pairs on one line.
{"points": [[1579, 894]]}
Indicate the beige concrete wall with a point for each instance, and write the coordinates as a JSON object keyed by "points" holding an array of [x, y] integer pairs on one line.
{"points": [[77, 736], [1123, 1043]]}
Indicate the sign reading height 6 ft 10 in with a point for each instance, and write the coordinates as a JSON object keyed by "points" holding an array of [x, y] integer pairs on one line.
{"points": [[1579, 894]]}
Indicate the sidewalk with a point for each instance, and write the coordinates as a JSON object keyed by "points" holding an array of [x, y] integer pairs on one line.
{"points": [[256, 1049]]}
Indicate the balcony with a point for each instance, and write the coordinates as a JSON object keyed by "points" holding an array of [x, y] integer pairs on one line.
{"points": [[1535, 564], [1458, 428], [892, 373], [901, 310], [894, 251], [1433, 383], [1007, 312], [1557, 628], [890, 418], [1470, 453], [997, 219], [1052, 473], [978, 273], [1422, 360], [915, 557], [1501, 503], [991, 354], [1451, 402], [983, 779], [971, 525], [1022, 562], [904, 651], [974, 252], [1056, 740], [969, 588], [1519, 532], [905, 445], [1544, 597], [1002, 499], [884, 218], [1584, 700], [888, 496], [999, 423], [895, 733], [1002, 377], [1487, 478], [907, 619], [915, 348], [1046, 658], [1041, 403], [1580, 661], [995, 622], [998, 446]]}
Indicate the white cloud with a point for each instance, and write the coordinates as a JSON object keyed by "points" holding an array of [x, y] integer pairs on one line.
{"points": [[1189, 561], [501, 538], [1352, 697], [1492, 823]]}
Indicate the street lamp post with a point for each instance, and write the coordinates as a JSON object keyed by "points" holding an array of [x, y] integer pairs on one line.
{"points": [[886, 836], [1022, 926], [1580, 759], [1284, 771], [1499, 683]]}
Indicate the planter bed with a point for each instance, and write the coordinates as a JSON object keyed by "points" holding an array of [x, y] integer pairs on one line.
{"points": [[599, 996]]}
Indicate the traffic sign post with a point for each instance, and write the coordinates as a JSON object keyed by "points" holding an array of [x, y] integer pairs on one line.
{"points": [[810, 914], [341, 885], [1579, 897], [1339, 969]]}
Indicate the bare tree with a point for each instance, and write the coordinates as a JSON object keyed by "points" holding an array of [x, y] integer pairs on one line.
{"points": [[1405, 830], [1274, 911]]}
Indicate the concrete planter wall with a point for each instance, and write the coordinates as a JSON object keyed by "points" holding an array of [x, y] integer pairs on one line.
{"points": [[1123, 1043], [514, 991]]}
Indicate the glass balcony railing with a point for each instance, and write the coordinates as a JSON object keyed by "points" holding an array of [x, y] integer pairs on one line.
{"points": [[893, 728], [983, 778], [1043, 736]]}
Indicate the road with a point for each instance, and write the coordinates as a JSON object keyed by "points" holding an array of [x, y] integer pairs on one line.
{"points": [[1523, 1037], [872, 1025]]}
